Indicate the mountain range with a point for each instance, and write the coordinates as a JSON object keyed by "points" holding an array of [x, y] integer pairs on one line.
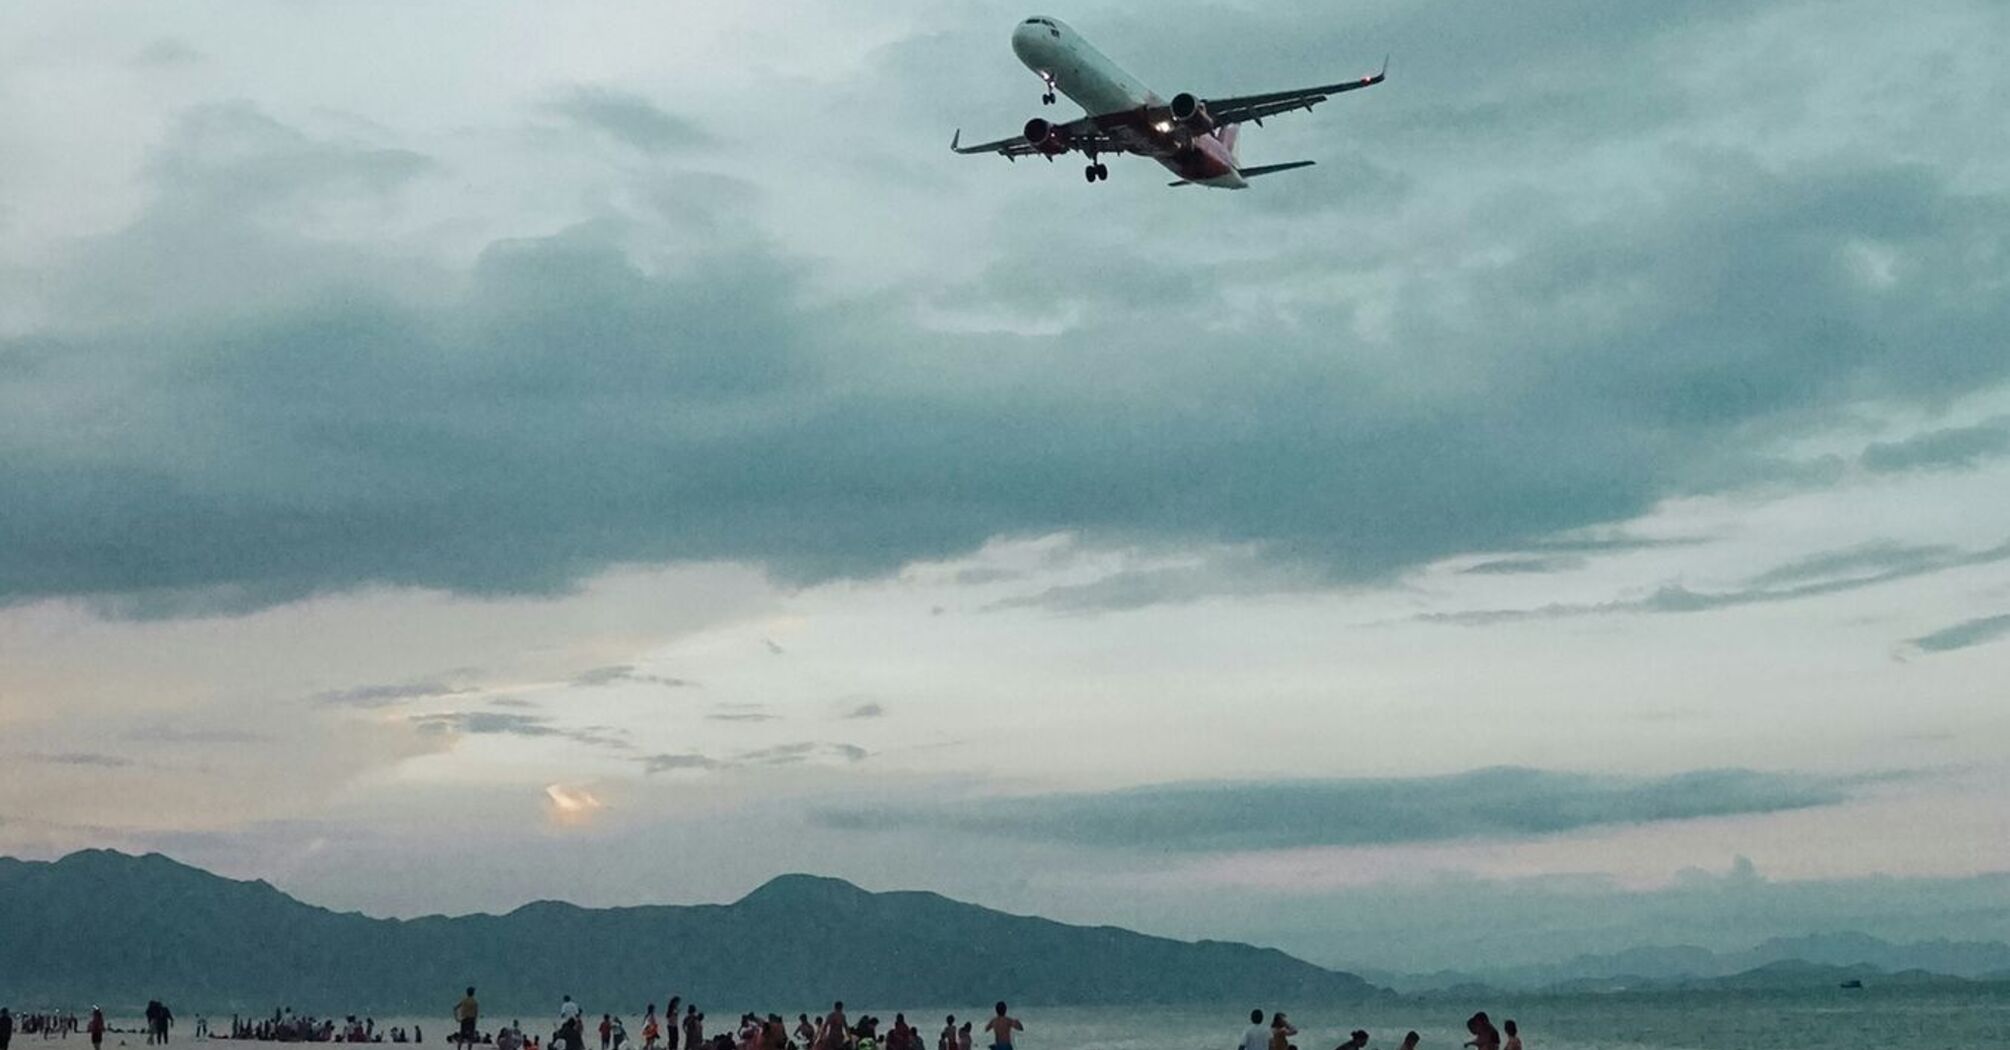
{"points": [[1802, 961], [102, 926]]}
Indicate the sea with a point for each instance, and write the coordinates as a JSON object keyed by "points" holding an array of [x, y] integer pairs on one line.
{"points": [[1973, 1016]]}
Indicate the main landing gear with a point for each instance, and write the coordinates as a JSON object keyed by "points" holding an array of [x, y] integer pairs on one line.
{"points": [[1096, 173]]}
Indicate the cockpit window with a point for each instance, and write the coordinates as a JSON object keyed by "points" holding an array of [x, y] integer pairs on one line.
{"points": [[1040, 22]]}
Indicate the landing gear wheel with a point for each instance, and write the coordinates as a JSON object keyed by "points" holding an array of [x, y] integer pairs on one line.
{"points": [[1102, 172], [1096, 173], [1047, 99], [1089, 173]]}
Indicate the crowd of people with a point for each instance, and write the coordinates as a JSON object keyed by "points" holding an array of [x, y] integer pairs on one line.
{"points": [[1279, 1032], [285, 1026], [681, 1026], [49, 1024]]}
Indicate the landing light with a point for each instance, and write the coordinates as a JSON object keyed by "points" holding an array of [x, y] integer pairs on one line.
{"points": [[1163, 125]]}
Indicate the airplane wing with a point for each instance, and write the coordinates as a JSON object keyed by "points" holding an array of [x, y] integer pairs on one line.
{"points": [[1254, 108], [1081, 135]]}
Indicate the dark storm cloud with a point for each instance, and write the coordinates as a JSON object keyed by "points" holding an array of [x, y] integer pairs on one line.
{"points": [[777, 755], [1249, 815], [1163, 585], [1954, 448], [1962, 635], [667, 763], [1520, 566], [80, 758], [626, 673], [631, 119], [512, 723], [558, 409], [1811, 577], [388, 694]]}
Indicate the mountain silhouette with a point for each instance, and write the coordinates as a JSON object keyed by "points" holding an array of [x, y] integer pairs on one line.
{"points": [[106, 927]]}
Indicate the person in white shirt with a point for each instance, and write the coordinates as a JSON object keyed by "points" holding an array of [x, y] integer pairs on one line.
{"points": [[1257, 1035]]}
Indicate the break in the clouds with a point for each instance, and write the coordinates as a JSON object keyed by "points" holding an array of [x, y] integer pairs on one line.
{"points": [[1232, 816]]}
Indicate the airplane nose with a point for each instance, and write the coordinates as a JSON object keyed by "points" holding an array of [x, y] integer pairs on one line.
{"points": [[1022, 40]]}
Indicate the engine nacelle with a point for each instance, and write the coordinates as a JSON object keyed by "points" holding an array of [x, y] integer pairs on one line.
{"points": [[1046, 136], [1191, 113]]}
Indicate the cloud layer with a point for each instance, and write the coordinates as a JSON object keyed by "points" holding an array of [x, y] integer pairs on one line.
{"points": [[277, 414], [1230, 816]]}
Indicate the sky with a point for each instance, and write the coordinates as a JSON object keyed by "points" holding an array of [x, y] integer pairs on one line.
{"points": [[489, 452]]}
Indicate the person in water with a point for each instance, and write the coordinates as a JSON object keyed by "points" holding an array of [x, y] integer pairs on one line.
{"points": [[1409, 1042], [1356, 1041], [1001, 1026]]}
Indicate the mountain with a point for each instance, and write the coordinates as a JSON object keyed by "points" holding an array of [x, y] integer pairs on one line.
{"points": [[107, 927]]}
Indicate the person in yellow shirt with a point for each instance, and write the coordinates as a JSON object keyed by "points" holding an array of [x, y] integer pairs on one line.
{"points": [[466, 1012]]}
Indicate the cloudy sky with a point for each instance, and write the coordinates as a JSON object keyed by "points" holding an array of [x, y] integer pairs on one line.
{"points": [[486, 452]]}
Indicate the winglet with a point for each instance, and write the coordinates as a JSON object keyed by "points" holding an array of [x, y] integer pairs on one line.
{"points": [[1384, 74], [956, 140]]}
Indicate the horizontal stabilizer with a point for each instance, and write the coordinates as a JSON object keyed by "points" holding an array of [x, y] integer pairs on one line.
{"points": [[1261, 169], [1272, 169]]}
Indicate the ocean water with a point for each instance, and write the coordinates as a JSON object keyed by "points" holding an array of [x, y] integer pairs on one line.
{"points": [[1823, 1019]]}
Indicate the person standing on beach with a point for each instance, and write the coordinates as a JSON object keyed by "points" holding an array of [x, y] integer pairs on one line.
{"points": [[1514, 1035], [1281, 1031], [96, 1028], [835, 1027], [465, 1014], [1001, 1026], [670, 1019], [1409, 1042], [1485, 1035], [1257, 1035], [694, 1027]]}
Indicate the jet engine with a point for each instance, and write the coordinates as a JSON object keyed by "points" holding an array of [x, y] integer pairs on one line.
{"points": [[1191, 113], [1046, 136]]}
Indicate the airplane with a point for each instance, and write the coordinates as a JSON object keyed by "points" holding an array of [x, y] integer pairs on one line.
{"points": [[1193, 138]]}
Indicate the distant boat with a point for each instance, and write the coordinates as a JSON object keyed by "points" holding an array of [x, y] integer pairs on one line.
{"points": [[1852, 983]]}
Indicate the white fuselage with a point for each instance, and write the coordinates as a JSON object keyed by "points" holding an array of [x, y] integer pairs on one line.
{"points": [[1074, 67]]}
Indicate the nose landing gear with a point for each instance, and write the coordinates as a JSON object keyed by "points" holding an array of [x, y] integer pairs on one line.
{"points": [[1049, 98]]}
